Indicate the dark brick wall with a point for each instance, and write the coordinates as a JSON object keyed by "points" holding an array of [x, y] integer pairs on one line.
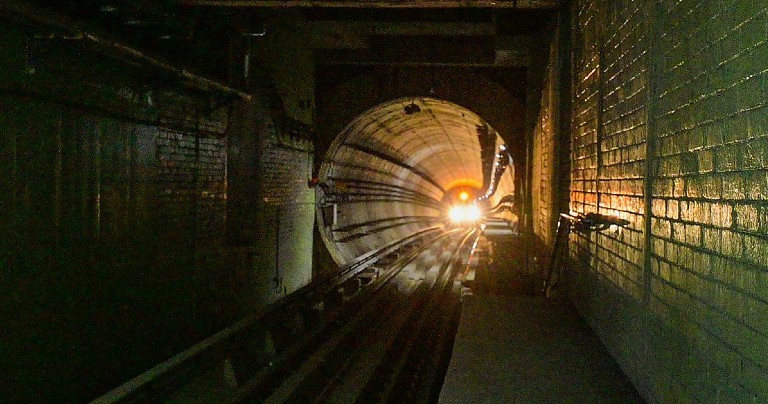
{"points": [[103, 222], [288, 167], [121, 240], [496, 95], [669, 131], [114, 233], [288, 206], [113, 244], [192, 198], [709, 239]]}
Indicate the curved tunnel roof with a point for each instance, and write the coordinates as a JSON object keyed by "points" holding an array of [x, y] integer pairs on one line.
{"points": [[386, 174]]}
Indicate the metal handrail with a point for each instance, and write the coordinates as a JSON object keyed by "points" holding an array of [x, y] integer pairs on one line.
{"points": [[581, 223], [503, 160]]}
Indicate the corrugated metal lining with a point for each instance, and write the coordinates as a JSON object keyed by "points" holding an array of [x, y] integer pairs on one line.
{"points": [[393, 161]]}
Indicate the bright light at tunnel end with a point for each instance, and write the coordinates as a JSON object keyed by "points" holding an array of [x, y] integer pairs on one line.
{"points": [[465, 214]]}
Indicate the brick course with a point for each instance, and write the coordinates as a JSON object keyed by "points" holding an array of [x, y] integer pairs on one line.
{"points": [[543, 164], [679, 296]]}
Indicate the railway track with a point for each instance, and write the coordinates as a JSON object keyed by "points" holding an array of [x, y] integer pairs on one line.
{"points": [[380, 332], [378, 355]]}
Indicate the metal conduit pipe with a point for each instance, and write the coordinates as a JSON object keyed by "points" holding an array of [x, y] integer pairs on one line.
{"points": [[507, 202], [363, 184], [113, 48], [503, 160], [380, 221], [426, 222], [364, 190], [356, 198]]}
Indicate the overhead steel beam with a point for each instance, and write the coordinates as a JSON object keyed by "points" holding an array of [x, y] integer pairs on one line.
{"points": [[520, 4], [505, 51], [26, 13], [355, 34]]}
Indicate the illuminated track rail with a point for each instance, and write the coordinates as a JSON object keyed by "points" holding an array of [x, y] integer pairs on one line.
{"points": [[391, 339], [253, 359]]}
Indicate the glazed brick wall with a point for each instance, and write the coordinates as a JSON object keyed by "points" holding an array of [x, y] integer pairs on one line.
{"points": [[622, 142], [669, 130], [710, 238], [544, 154], [585, 92], [584, 121], [610, 75]]}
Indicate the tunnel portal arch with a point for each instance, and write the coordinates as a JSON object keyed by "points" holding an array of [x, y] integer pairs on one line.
{"points": [[388, 173]]}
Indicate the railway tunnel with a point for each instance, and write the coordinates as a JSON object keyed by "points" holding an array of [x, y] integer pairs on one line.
{"points": [[400, 167], [202, 199]]}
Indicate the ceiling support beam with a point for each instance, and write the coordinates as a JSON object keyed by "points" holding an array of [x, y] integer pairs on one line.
{"points": [[25, 13], [519, 4], [502, 51]]}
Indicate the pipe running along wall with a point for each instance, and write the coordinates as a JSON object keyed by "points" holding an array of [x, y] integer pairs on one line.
{"points": [[397, 169]]}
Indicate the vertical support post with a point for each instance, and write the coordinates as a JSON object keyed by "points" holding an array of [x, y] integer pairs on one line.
{"points": [[561, 243], [561, 117], [131, 140], [277, 247], [650, 151], [600, 23], [96, 183], [195, 223], [57, 184]]}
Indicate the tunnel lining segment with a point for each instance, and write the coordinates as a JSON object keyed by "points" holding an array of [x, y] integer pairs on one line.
{"points": [[394, 160], [403, 158]]}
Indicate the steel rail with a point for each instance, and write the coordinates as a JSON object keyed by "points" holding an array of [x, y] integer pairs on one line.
{"points": [[448, 272], [212, 350], [342, 368], [383, 227], [266, 381]]}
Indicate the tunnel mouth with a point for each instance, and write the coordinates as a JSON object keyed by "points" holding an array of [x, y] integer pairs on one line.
{"points": [[397, 168]]}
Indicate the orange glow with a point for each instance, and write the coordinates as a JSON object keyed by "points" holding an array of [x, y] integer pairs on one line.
{"points": [[465, 183]]}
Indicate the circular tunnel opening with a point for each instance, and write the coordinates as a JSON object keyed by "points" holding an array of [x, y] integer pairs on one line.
{"points": [[403, 167]]}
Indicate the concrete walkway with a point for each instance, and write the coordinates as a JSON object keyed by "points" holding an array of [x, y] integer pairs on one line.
{"points": [[512, 349]]}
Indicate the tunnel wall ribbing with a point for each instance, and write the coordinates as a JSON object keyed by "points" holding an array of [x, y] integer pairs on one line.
{"points": [[669, 131], [343, 93]]}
